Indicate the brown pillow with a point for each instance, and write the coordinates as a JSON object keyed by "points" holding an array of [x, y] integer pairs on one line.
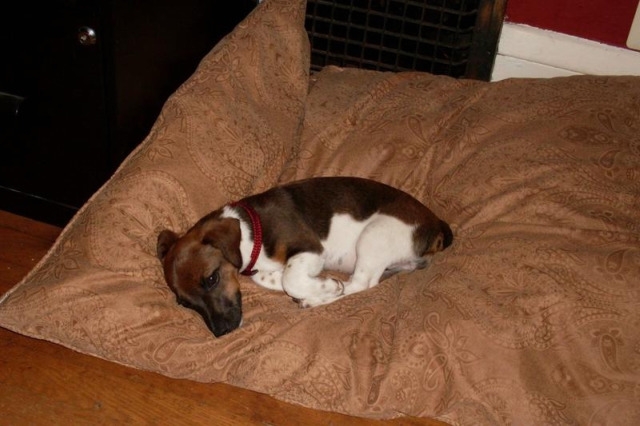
{"points": [[228, 131], [530, 317]]}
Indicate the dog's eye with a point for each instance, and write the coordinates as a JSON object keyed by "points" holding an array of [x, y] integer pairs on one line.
{"points": [[210, 282]]}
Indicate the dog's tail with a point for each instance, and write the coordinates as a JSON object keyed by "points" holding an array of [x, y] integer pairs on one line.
{"points": [[432, 237], [446, 234]]}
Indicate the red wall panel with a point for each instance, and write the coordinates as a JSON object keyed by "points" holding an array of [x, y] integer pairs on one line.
{"points": [[606, 21]]}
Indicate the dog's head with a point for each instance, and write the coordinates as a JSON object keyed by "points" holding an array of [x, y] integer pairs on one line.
{"points": [[201, 267]]}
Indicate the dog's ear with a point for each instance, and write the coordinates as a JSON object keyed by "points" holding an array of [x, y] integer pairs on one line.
{"points": [[224, 234], [166, 239]]}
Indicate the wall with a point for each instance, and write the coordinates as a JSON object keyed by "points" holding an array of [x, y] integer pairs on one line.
{"points": [[605, 21]]}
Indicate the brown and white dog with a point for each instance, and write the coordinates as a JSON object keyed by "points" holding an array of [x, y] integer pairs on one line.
{"points": [[285, 237]]}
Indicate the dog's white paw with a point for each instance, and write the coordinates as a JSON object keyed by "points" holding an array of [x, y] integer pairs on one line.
{"points": [[271, 279], [339, 286], [313, 302]]}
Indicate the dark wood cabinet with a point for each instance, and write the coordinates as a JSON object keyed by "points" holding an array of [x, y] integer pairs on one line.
{"points": [[81, 83]]}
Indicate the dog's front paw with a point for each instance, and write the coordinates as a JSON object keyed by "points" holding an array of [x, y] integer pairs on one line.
{"points": [[339, 291], [310, 303], [313, 302], [269, 279], [304, 303]]}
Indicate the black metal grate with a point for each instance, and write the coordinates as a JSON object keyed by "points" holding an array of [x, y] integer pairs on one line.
{"points": [[392, 35]]}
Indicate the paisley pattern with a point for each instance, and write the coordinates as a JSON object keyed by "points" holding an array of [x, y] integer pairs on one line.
{"points": [[531, 317], [123, 235]]}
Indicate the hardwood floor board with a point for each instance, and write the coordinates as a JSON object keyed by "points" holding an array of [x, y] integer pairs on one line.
{"points": [[9, 275], [26, 249], [28, 226], [24, 243]]}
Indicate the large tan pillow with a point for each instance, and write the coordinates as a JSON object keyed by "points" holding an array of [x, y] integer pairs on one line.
{"points": [[531, 317], [227, 131]]}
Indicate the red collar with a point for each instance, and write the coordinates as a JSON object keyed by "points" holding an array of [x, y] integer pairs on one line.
{"points": [[257, 236]]}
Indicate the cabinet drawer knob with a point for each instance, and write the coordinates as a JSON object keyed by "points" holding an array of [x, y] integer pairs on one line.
{"points": [[86, 36]]}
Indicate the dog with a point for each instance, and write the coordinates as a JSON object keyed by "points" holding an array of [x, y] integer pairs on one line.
{"points": [[285, 237]]}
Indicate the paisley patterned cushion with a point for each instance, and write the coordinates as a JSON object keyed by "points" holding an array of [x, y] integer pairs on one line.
{"points": [[531, 317]]}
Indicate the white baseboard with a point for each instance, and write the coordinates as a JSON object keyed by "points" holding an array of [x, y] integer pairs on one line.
{"points": [[526, 51]]}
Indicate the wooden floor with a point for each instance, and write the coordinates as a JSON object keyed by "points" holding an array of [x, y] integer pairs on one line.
{"points": [[43, 383]]}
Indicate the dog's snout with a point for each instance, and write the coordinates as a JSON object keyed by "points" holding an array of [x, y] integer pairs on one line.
{"points": [[221, 329], [222, 315], [221, 325]]}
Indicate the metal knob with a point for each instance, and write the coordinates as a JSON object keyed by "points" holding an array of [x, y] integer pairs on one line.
{"points": [[86, 36]]}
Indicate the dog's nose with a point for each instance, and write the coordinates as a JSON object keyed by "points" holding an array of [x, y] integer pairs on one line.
{"points": [[220, 330], [221, 326], [222, 316]]}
